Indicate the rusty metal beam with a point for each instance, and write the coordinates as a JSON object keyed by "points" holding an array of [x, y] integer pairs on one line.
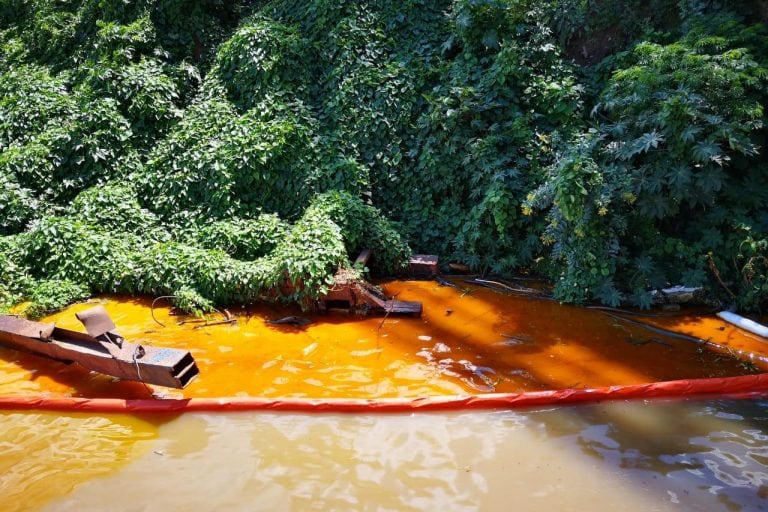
{"points": [[129, 361]]}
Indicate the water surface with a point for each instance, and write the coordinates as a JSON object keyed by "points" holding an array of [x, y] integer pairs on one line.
{"points": [[466, 342], [619, 456], [632, 456]]}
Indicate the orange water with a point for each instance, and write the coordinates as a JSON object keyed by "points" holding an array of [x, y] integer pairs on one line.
{"points": [[474, 342]]}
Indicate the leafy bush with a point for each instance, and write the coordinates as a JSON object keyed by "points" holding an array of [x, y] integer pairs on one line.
{"points": [[219, 164], [190, 301], [191, 30], [656, 186], [289, 262], [363, 227], [122, 64], [15, 277], [262, 57], [17, 206], [241, 151], [243, 239], [114, 207], [483, 139], [51, 295], [55, 143], [751, 265], [31, 101]]}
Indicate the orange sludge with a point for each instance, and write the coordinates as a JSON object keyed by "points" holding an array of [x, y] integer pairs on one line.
{"points": [[475, 342]]}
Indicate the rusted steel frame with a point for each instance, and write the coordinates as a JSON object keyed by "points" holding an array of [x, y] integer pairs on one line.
{"points": [[129, 361]]}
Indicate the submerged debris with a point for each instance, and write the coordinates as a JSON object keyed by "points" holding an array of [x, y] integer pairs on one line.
{"points": [[351, 293], [291, 320]]}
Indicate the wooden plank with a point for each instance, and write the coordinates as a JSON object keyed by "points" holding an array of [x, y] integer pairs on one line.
{"points": [[423, 265], [27, 328], [362, 259], [401, 307], [369, 298]]}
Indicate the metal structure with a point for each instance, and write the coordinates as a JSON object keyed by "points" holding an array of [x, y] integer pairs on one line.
{"points": [[351, 293], [102, 350]]}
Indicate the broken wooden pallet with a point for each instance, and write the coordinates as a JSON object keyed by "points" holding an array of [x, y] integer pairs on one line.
{"points": [[101, 350], [353, 294], [423, 266]]}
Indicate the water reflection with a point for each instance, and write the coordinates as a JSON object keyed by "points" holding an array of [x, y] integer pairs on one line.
{"points": [[44, 455], [619, 456], [711, 455]]}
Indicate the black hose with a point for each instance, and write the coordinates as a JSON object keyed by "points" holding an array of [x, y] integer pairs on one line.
{"points": [[509, 290], [641, 313], [152, 308]]}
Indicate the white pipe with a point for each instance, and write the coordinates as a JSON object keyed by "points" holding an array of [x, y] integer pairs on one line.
{"points": [[744, 323]]}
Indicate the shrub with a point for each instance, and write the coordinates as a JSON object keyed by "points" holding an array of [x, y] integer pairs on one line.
{"points": [[243, 239], [51, 295], [665, 177]]}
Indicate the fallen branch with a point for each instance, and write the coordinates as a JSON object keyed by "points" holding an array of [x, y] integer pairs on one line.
{"points": [[501, 288], [716, 273], [228, 319], [520, 289]]}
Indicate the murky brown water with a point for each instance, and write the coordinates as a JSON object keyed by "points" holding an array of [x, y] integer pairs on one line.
{"points": [[662, 456], [44, 456]]}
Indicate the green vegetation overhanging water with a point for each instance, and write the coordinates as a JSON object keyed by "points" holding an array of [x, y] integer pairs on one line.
{"points": [[229, 152]]}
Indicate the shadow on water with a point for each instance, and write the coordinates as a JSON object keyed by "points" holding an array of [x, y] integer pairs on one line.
{"points": [[83, 382], [523, 343], [702, 455]]}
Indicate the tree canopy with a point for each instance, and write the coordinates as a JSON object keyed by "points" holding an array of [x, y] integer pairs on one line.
{"points": [[229, 152]]}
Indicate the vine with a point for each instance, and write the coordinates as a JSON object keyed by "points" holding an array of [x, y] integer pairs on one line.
{"points": [[240, 151]]}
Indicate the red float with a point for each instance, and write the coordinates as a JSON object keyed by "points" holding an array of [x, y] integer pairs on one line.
{"points": [[750, 386]]}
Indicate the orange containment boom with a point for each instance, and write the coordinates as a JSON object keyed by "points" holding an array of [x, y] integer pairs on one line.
{"points": [[750, 386], [101, 350]]}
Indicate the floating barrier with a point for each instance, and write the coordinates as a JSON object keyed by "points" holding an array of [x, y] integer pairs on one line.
{"points": [[744, 323], [749, 386]]}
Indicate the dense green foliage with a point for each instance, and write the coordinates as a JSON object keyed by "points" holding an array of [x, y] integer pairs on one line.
{"points": [[666, 182], [239, 151]]}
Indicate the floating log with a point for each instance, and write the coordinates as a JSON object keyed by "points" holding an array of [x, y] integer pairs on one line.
{"points": [[101, 350]]}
